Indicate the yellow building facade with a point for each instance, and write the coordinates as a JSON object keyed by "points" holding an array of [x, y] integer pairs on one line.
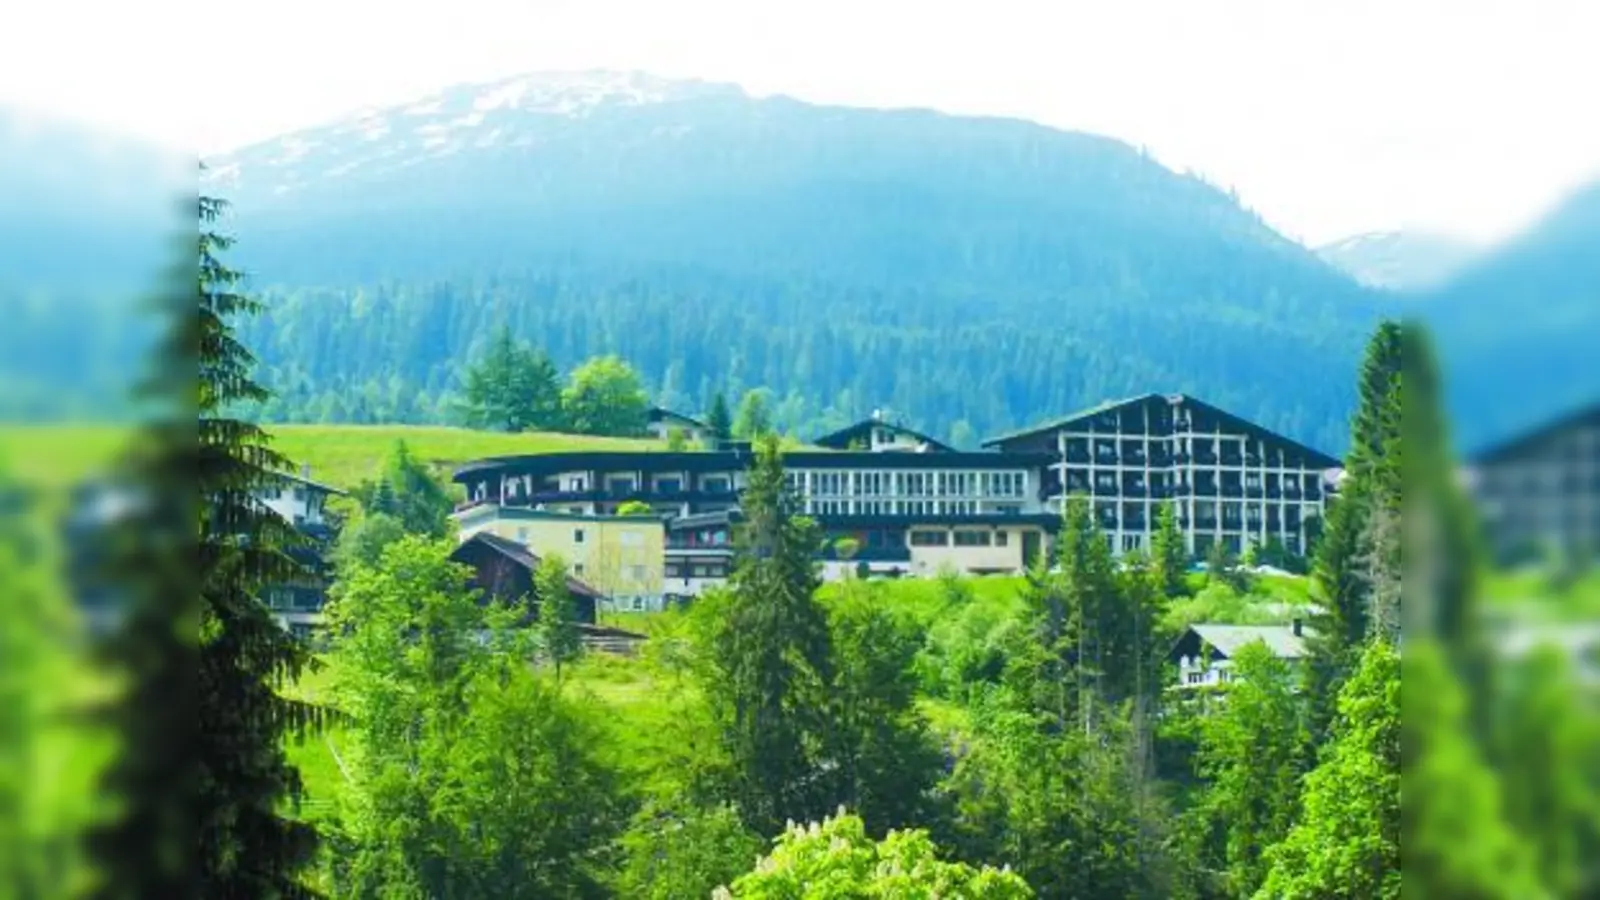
{"points": [[622, 557]]}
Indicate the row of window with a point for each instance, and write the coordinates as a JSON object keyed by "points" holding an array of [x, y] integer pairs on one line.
{"points": [[697, 570], [961, 537], [908, 484], [906, 508]]}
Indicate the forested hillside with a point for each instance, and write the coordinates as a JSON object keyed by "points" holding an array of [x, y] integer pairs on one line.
{"points": [[968, 274]]}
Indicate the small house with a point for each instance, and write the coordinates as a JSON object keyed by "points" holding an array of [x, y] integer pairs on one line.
{"points": [[504, 569], [1204, 654]]}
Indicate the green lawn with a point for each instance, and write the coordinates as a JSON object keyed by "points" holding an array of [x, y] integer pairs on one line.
{"points": [[54, 456], [342, 455]]}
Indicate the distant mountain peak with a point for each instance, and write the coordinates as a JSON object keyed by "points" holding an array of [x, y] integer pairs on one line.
{"points": [[1403, 260]]}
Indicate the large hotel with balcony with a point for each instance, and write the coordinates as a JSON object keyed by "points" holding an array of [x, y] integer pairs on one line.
{"points": [[1229, 480], [895, 502]]}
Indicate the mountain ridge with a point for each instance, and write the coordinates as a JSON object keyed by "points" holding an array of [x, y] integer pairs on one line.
{"points": [[827, 252]]}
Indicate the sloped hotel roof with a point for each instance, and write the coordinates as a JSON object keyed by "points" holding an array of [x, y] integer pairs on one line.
{"points": [[1322, 459]]}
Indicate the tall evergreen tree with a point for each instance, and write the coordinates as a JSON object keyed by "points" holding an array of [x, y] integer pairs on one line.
{"points": [[512, 387], [209, 695], [770, 662], [1169, 553], [720, 421], [1346, 555]]}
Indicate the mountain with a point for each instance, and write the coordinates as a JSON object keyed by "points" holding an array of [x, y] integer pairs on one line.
{"points": [[974, 274], [1518, 329], [1399, 260]]}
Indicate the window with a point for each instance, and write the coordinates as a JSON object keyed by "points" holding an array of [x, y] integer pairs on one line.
{"points": [[717, 484], [972, 539], [577, 535], [638, 604], [669, 485], [1196, 677], [578, 569], [636, 573], [1001, 537], [930, 538]]}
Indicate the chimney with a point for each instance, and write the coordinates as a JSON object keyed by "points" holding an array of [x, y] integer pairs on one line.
{"points": [[305, 470], [1296, 625]]}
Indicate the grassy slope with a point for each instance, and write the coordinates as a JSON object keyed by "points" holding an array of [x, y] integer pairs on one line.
{"points": [[340, 455]]}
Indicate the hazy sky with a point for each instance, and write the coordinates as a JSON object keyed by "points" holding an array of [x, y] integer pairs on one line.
{"points": [[1330, 117]]}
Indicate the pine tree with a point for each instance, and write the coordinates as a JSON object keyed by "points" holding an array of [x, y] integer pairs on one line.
{"points": [[1343, 570], [558, 632], [1072, 610], [216, 827], [512, 387], [1169, 553], [720, 421], [771, 656]]}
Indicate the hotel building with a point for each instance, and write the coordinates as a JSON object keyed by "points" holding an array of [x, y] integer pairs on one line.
{"points": [[1229, 480]]}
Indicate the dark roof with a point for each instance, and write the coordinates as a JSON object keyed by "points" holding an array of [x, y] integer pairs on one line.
{"points": [[659, 413], [731, 461], [1316, 456], [523, 557], [305, 480], [842, 439], [1525, 440]]}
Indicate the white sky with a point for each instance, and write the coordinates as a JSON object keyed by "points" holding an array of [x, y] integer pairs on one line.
{"points": [[1330, 117]]}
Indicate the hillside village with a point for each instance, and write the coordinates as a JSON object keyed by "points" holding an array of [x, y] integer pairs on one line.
{"points": [[596, 485]]}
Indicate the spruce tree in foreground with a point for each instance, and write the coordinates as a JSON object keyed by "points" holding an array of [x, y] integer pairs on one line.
{"points": [[202, 779], [770, 656]]}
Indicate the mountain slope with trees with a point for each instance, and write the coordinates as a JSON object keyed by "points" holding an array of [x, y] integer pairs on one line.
{"points": [[969, 274]]}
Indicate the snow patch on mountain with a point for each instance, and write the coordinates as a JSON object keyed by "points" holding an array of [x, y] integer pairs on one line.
{"points": [[510, 113]]}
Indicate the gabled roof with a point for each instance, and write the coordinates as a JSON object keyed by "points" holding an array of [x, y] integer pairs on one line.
{"points": [[523, 557], [1063, 421], [1321, 459], [660, 414], [1230, 639], [862, 431]]}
